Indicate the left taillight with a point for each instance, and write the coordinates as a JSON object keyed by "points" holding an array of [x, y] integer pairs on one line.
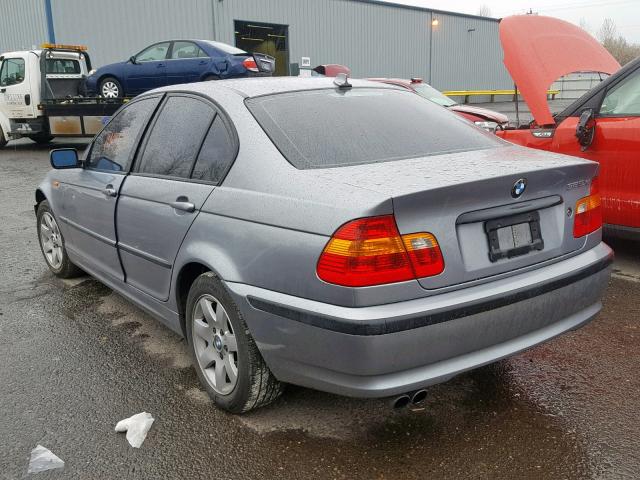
{"points": [[588, 212], [370, 251], [250, 64]]}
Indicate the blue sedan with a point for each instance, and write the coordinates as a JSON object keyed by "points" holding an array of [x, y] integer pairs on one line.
{"points": [[176, 61]]}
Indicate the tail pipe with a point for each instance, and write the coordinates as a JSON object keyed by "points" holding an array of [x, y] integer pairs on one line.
{"points": [[416, 398]]}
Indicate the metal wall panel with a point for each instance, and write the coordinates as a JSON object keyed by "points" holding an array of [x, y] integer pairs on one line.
{"points": [[23, 24], [116, 29], [372, 39], [467, 54]]}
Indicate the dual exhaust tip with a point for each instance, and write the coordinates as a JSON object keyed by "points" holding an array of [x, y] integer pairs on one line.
{"points": [[416, 398]]}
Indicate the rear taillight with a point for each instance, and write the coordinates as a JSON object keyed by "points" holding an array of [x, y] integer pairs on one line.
{"points": [[588, 213], [371, 251], [250, 64]]}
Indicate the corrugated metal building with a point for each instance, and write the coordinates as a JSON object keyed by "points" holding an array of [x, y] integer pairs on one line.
{"points": [[374, 38]]}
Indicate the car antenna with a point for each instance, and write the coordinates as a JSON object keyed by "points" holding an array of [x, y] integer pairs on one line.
{"points": [[342, 81]]}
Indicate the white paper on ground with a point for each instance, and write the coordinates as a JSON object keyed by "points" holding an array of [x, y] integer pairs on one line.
{"points": [[136, 427], [43, 459]]}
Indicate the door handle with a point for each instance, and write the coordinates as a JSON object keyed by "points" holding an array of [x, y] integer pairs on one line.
{"points": [[109, 191], [160, 65], [183, 203]]}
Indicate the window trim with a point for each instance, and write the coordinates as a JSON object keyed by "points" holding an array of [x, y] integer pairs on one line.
{"points": [[137, 141], [24, 66]]}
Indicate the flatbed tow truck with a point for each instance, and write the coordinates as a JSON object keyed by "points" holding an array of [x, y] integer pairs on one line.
{"points": [[42, 95]]}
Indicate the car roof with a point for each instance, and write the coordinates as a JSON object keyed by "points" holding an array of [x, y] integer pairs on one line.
{"points": [[255, 87]]}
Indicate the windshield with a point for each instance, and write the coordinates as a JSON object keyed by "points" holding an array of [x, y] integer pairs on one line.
{"points": [[332, 128], [430, 93]]}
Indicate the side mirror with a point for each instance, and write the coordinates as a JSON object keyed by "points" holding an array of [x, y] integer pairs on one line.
{"points": [[132, 59], [64, 158], [586, 128]]}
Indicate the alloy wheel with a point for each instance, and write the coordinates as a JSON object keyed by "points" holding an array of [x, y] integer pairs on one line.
{"points": [[215, 344], [110, 90], [51, 240]]}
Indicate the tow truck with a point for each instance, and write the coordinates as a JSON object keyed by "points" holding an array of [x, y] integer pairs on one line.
{"points": [[42, 95]]}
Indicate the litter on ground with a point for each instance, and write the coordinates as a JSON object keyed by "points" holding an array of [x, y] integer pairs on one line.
{"points": [[43, 459], [136, 427]]}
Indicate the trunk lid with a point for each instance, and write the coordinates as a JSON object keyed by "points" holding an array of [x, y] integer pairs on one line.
{"points": [[538, 50], [457, 196]]}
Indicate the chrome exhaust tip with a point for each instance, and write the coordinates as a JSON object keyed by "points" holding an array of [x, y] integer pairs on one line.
{"points": [[418, 397], [402, 401]]}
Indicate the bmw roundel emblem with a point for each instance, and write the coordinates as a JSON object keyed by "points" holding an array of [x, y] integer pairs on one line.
{"points": [[519, 188]]}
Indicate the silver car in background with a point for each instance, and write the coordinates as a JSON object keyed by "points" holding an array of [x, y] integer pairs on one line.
{"points": [[339, 236]]}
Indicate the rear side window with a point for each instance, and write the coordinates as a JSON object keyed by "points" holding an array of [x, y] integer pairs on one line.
{"points": [[331, 128], [217, 153], [186, 50], [112, 148], [176, 137]]}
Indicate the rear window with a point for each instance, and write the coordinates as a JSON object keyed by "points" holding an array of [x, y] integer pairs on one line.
{"points": [[62, 65], [331, 128], [226, 48]]}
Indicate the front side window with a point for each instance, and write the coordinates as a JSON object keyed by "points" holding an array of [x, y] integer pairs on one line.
{"points": [[62, 65], [186, 50], [154, 53], [113, 147], [176, 137], [216, 155], [624, 98], [11, 72], [331, 128]]}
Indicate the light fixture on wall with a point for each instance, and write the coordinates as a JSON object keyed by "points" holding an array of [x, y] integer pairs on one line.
{"points": [[435, 22]]}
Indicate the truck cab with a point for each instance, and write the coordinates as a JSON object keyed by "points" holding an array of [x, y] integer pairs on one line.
{"points": [[603, 125], [42, 95]]}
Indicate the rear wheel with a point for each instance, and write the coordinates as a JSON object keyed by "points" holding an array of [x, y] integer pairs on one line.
{"points": [[110, 88], [3, 140], [42, 139], [52, 244], [224, 354]]}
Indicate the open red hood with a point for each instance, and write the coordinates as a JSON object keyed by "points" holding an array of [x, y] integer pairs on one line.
{"points": [[538, 50]]}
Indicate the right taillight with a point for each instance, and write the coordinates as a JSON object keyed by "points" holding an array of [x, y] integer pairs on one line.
{"points": [[250, 64], [588, 212], [371, 251]]}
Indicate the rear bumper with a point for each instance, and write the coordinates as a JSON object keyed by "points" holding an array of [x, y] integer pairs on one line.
{"points": [[389, 349]]}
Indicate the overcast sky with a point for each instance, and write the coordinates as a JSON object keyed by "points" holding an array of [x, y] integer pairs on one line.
{"points": [[625, 13]]}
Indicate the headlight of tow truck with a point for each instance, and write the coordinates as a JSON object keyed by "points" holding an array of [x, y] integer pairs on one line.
{"points": [[488, 126]]}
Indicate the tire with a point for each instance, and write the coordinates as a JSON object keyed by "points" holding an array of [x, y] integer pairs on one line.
{"points": [[211, 343], [211, 77], [3, 140], [57, 259], [42, 139], [110, 88]]}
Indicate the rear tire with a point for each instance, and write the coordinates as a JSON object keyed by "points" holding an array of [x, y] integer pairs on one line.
{"points": [[52, 244], [223, 351], [3, 140], [42, 139], [110, 88]]}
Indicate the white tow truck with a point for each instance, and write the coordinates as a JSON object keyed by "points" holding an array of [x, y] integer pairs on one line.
{"points": [[42, 95]]}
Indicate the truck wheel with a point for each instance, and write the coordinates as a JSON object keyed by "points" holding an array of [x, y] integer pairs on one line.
{"points": [[223, 351], [110, 88], [42, 139], [3, 140], [52, 244]]}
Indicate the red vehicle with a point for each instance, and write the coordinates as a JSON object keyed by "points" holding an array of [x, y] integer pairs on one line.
{"points": [[603, 125], [485, 118]]}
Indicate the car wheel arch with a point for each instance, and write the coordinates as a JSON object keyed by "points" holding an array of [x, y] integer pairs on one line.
{"points": [[184, 279]]}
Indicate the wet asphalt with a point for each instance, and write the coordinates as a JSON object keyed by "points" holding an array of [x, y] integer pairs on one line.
{"points": [[75, 358]]}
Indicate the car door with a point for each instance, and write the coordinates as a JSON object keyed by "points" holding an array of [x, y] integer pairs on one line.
{"points": [[615, 146], [90, 194], [149, 70], [15, 92], [159, 201], [187, 63]]}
